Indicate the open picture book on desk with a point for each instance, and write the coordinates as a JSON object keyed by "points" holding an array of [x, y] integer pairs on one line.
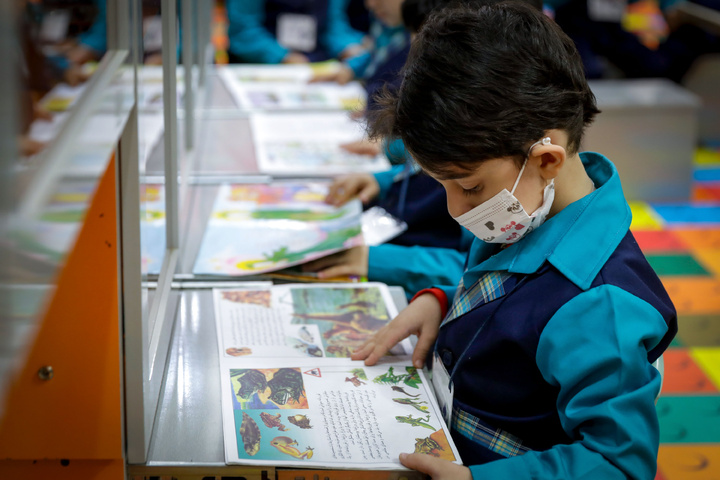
{"points": [[259, 228], [291, 396]]}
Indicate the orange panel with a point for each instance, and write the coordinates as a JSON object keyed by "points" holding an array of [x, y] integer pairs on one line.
{"points": [[62, 470], [76, 414]]}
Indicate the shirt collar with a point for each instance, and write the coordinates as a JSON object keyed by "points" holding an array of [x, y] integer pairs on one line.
{"points": [[600, 219]]}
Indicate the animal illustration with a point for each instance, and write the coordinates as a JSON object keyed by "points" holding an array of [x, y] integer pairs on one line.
{"points": [[272, 421], [251, 381], [305, 335], [415, 422], [238, 352], [250, 434], [436, 445], [285, 385], [301, 421], [354, 380], [251, 297], [426, 446], [307, 347], [411, 378], [285, 445], [417, 404], [400, 389]]}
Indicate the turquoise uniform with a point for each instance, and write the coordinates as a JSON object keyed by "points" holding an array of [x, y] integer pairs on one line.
{"points": [[549, 344]]}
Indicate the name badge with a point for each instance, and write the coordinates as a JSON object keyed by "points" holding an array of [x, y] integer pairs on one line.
{"points": [[297, 32], [54, 26], [606, 10], [444, 389], [152, 33]]}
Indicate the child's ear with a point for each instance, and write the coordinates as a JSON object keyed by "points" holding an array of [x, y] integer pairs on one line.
{"points": [[549, 159]]}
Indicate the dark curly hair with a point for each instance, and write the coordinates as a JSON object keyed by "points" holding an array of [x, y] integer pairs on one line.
{"points": [[485, 82]]}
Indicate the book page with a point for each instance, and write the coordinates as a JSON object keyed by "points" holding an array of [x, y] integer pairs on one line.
{"points": [[298, 320], [310, 415], [289, 144], [292, 397], [260, 228], [286, 87]]}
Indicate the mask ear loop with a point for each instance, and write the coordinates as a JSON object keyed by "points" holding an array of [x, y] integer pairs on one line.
{"points": [[544, 141]]}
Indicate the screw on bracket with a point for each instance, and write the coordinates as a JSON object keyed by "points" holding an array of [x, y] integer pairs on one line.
{"points": [[46, 372]]}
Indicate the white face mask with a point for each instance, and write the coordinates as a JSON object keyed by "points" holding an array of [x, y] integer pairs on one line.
{"points": [[502, 219]]}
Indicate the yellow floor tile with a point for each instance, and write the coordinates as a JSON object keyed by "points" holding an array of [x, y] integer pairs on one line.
{"points": [[705, 156], [709, 361], [644, 217], [709, 258]]}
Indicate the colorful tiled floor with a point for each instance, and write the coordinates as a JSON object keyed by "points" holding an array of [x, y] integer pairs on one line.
{"points": [[682, 243]]}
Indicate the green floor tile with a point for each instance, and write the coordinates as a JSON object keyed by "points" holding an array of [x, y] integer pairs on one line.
{"points": [[673, 265], [689, 419]]}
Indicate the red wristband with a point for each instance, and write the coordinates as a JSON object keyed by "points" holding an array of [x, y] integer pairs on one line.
{"points": [[439, 294]]}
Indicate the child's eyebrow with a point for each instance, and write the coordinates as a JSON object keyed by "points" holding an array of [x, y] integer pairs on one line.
{"points": [[452, 175]]}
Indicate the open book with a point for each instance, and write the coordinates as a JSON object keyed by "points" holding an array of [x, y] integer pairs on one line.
{"points": [[292, 397]]}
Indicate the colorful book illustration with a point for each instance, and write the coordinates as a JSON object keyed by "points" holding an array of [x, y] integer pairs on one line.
{"points": [[152, 228], [309, 144], [267, 227], [286, 87], [119, 94], [292, 397]]}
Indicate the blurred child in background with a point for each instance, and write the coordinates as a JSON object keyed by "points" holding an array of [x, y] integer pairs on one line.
{"points": [[290, 31]]}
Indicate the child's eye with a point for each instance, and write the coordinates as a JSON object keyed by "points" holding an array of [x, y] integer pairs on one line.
{"points": [[471, 191]]}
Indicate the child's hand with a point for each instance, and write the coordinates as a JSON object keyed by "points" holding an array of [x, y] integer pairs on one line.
{"points": [[422, 318], [361, 185], [437, 468], [81, 54], [353, 261], [295, 57], [363, 147], [342, 76]]}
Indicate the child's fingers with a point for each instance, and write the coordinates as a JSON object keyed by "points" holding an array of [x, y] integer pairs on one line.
{"points": [[363, 351], [341, 191], [422, 348], [385, 340], [339, 271], [321, 263], [368, 192], [437, 468]]}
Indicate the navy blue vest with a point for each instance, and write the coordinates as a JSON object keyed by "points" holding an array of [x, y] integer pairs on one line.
{"points": [[498, 380], [318, 9]]}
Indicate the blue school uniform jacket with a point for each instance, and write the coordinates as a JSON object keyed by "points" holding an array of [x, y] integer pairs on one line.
{"points": [[382, 64], [252, 28], [553, 369]]}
